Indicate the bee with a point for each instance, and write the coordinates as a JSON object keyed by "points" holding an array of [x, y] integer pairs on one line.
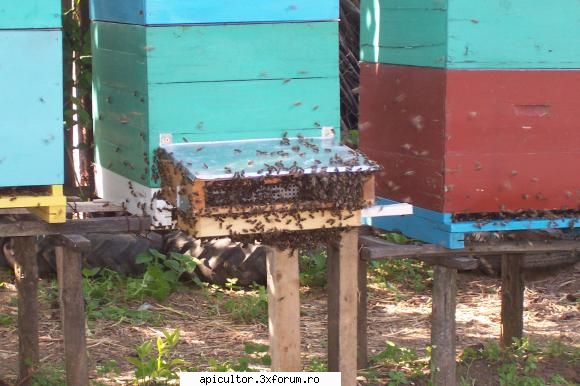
{"points": [[286, 81], [260, 152], [199, 149], [297, 104], [185, 140], [228, 170], [250, 163], [237, 151], [205, 166], [315, 108]]}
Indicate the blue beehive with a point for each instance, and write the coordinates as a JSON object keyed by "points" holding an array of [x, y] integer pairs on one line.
{"points": [[31, 96], [209, 70]]}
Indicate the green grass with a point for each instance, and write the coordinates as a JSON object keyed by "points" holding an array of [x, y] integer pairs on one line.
{"points": [[517, 364], [7, 320]]}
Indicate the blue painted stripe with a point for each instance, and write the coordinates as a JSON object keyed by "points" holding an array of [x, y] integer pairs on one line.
{"points": [[437, 228], [172, 12]]}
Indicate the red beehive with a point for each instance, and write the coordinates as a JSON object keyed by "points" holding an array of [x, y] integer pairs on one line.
{"points": [[470, 141]]}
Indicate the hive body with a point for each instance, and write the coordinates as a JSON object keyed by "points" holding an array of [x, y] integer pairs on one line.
{"points": [[180, 71], [31, 106], [471, 107]]}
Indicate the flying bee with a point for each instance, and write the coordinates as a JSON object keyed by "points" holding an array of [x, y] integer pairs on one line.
{"points": [[205, 166], [237, 151], [185, 140], [286, 81], [228, 170]]}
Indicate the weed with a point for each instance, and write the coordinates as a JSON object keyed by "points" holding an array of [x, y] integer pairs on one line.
{"points": [[399, 359], [7, 320], [257, 356], [318, 366], [108, 367], [313, 269], [161, 366], [49, 375], [248, 306], [161, 276]]}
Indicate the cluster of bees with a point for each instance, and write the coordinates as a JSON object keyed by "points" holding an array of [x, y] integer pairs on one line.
{"points": [[270, 204], [14, 193]]}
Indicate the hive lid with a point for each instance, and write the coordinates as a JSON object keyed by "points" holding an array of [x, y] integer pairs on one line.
{"points": [[266, 157]]}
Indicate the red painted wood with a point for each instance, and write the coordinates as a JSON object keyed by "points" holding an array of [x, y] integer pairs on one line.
{"points": [[508, 139], [402, 113]]}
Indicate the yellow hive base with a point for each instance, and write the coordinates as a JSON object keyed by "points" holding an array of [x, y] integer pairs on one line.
{"points": [[50, 207]]}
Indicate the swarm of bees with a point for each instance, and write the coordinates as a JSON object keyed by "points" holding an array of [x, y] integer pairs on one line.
{"points": [[258, 200]]}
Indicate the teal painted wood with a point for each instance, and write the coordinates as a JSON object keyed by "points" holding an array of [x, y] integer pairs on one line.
{"points": [[27, 14], [411, 32], [215, 111], [165, 12], [31, 108], [241, 52], [477, 34], [514, 34], [209, 83]]}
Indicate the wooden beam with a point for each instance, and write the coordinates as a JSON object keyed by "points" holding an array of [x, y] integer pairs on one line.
{"points": [[210, 226], [343, 305], [69, 259], [15, 227], [443, 366], [284, 309], [375, 248], [512, 299], [362, 329], [26, 270]]}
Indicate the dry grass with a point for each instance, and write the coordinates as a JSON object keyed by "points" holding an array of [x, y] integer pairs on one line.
{"points": [[208, 332]]}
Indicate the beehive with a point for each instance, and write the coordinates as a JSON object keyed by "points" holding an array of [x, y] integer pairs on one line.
{"points": [[470, 106], [31, 119], [31, 108], [209, 82], [171, 72]]}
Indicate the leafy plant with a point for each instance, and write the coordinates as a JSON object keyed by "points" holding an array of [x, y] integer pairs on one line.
{"points": [[400, 358], [159, 364], [257, 355], [248, 306], [7, 320], [313, 269], [49, 375], [162, 274]]}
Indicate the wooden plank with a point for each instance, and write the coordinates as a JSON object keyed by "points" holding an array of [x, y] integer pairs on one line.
{"points": [[26, 271], [369, 190], [211, 226], [512, 299], [333, 310], [387, 210], [69, 260], [260, 51], [115, 188], [443, 366], [474, 35], [284, 309], [30, 14], [31, 144], [30, 227], [514, 34], [156, 12], [196, 109], [374, 248], [343, 298], [404, 32], [362, 315]]}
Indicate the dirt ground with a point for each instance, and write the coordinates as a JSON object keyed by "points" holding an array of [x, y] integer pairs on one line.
{"points": [[552, 312]]}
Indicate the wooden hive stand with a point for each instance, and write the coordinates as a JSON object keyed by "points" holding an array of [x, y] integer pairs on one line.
{"points": [[24, 228], [288, 194]]}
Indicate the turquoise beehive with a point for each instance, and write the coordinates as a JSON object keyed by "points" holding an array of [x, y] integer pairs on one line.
{"points": [[31, 96], [475, 34], [209, 71]]}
